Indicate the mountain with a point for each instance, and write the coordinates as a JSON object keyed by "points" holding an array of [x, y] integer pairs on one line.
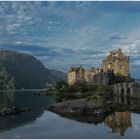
{"points": [[59, 74], [26, 70]]}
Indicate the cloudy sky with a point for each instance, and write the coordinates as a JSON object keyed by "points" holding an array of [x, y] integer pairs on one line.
{"points": [[64, 34]]}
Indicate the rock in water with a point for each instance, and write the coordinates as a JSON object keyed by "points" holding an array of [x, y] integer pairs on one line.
{"points": [[13, 110], [78, 107]]}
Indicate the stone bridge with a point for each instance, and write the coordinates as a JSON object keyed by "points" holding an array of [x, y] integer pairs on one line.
{"points": [[129, 90]]}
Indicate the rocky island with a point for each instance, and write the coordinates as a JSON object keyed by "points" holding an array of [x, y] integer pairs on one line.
{"points": [[89, 93]]}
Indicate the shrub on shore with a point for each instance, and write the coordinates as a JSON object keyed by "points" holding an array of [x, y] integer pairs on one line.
{"points": [[82, 87]]}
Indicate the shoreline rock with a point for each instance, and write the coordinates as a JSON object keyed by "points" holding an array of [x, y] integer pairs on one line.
{"points": [[80, 107], [90, 110], [13, 110]]}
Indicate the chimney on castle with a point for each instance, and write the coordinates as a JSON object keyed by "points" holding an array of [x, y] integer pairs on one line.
{"points": [[111, 53], [119, 50], [80, 65], [71, 67]]}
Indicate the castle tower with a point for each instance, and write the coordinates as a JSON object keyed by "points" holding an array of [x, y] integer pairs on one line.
{"points": [[76, 74], [89, 74], [118, 62], [82, 73]]}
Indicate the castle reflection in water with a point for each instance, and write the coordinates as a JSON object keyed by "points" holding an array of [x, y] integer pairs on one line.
{"points": [[119, 122]]}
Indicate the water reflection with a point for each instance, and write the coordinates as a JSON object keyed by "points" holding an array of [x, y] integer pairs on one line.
{"points": [[119, 122], [7, 98], [51, 125], [22, 99], [86, 119]]}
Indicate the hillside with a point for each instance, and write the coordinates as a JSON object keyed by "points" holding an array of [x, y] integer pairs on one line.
{"points": [[26, 70], [59, 74]]}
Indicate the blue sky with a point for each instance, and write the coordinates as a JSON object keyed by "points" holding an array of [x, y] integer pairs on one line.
{"points": [[64, 34]]}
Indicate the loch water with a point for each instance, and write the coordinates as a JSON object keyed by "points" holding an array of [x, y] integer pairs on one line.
{"points": [[39, 123]]}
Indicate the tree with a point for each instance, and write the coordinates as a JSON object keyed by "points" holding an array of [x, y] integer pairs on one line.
{"points": [[6, 81], [61, 84]]}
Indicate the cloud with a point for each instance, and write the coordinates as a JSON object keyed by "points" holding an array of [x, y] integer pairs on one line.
{"points": [[130, 48], [61, 34], [89, 51], [136, 63], [116, 36], [18, 42]]}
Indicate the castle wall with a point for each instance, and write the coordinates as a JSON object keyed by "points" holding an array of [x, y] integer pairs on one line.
{"points": [[89, 76], [76, 75], [82, 74], [71, 78], [101, 79]]}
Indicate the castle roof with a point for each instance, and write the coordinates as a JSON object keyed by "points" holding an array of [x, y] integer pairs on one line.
{"points": [[116, 55], [75, 69]]}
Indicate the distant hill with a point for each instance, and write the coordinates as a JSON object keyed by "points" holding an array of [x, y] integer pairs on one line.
{"points": [[59, 74], [26, 70]]}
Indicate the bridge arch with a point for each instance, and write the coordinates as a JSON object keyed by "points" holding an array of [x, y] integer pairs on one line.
{"points": [[128, 96], [122, 95], [130, 90]]}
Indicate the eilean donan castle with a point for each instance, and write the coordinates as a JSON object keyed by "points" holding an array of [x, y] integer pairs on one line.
{"points": [[115, 62]]}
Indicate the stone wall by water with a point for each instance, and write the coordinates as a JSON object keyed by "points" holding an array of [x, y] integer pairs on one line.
{"points": [[103, 78]]}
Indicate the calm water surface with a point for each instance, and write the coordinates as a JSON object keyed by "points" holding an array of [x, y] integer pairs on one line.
{"points": [[44, 124]]}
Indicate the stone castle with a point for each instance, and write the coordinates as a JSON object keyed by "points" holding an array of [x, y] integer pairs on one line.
{"points": [[115, 62]]}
